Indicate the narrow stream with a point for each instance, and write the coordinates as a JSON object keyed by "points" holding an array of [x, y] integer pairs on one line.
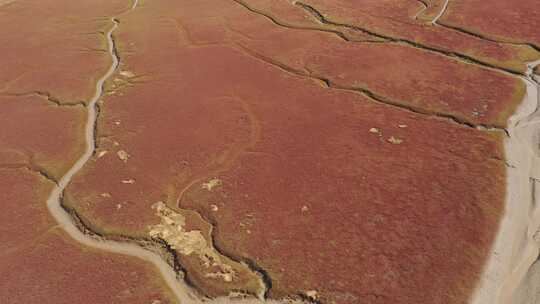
{"points": [[180, 289], [183, 292]]}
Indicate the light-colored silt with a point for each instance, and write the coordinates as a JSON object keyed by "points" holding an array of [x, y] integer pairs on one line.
{"points": [[425, 7], [65, 220], [439, 15], [510, 270]]}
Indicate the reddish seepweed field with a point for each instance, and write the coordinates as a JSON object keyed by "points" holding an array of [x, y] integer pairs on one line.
{"points": [[41, 264], [50, 61], [335, 195], [336, 162], [406, 22], [510, 21]]}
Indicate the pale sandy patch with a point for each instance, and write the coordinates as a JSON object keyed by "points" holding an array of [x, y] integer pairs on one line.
{"points": [[511, 275]]}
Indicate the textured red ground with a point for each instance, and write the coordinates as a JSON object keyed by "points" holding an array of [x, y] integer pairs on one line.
{"points": [[397, 19], [42, 135], [40, 264], [441, 85], [46, 142], [325, 189], [52, 50], [513, 21], [45, 47]]}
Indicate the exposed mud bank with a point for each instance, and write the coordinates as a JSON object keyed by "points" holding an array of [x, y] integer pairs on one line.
{"points": [[67, 222], [507, 277]]}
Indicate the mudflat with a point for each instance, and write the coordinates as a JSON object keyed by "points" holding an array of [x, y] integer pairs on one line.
{"points": [[268, 151]]}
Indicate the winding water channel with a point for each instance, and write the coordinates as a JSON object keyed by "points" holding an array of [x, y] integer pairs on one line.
{"points": [[182, 291], [521, 129]]}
